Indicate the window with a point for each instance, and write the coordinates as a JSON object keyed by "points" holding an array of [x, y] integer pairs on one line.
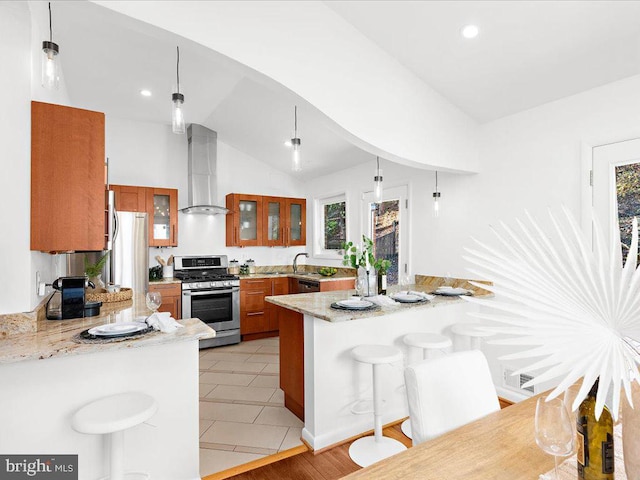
{"points": [[331, 226], [628, 196]]}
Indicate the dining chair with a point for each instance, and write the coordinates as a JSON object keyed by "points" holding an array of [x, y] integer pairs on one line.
{"points": [[447, 392]]}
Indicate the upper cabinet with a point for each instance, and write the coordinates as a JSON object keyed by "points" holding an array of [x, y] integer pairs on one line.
{"points": [[296, 222], [68, 179], [244, 220], [255, 220], [161, 206]]}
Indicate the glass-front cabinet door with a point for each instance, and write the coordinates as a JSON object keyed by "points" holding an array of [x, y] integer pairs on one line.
{"points": [[162, 211], [244, 220], [273, 221], [296, 231]]}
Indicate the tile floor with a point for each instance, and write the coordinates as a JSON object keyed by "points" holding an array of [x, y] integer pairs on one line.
{"points": [[242, 413]]}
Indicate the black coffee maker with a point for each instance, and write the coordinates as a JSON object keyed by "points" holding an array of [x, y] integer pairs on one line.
{"points": [[68, 299]]}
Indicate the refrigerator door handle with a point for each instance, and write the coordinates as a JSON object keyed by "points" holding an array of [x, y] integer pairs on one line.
{"points": [[110, 218]]}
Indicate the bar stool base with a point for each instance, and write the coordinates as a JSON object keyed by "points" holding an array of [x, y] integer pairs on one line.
{"points": [[366, 450]]}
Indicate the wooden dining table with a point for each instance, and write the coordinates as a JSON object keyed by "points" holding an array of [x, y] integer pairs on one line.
{"points": [[500, 446]]}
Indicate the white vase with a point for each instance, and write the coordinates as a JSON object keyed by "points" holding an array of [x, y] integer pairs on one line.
{"points": [[367, 282], [631, 433]]}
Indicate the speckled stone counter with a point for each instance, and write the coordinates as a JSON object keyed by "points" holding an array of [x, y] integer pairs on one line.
{"points": [[39, 397], [318, 305], [55, 338], [166, 280]]}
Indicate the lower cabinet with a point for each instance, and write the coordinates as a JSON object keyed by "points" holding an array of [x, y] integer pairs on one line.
{"points": [[171, 298], [258, 318]]}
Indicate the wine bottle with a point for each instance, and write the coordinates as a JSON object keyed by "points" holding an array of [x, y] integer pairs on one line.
{"points": [[382, 283], [595, 440]]}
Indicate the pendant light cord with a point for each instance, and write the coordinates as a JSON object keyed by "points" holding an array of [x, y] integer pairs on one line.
{"points": [[436, 181], [178, 69], [378, 165], [50, 27], [295, 121]]}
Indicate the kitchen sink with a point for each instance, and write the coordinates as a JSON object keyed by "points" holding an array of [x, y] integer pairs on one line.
{"points": [[274, 273]]}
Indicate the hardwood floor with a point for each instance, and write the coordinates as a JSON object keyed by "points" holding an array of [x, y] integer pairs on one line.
{"points": [[329, 465]]}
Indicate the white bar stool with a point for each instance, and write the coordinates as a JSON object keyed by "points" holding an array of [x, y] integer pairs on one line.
{"points": [[113, 415], [428, 342], [473, 331], [371, 449]]}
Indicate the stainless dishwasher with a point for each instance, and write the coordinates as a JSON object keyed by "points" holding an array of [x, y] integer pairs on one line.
{"points": [[307, 286]]}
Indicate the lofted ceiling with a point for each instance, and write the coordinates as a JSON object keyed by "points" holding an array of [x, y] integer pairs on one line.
{"points": [[528, 53]]}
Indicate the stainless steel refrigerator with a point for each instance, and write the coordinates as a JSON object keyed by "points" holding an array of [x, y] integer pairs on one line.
{"points": [[130, 252]]}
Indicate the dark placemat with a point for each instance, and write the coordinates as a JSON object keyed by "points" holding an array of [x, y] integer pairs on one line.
{"points": [[86, 337], [422, 300], [368, 309]]}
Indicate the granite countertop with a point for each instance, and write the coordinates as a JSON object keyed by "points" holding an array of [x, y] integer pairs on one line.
{"points": [[166, 280], [319, 304], [56, 338], [302, 275]]}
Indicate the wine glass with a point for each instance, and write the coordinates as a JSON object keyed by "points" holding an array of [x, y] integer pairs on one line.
{"points": [[554, 429], [154, 300]]}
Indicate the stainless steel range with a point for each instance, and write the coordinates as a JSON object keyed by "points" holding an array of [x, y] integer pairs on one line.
{"points": [[211, 294]]}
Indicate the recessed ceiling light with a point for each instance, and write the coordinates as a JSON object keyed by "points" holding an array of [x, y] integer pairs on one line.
{"points": [[287, 143], [470, 31], [145, 93]]}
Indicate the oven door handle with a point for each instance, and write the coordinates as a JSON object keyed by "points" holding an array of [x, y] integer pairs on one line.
{"points": [[209, 292]]}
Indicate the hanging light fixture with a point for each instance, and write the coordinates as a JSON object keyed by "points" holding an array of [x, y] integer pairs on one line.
{"points": [[50, 65], [177, 116], [296, 166], [436, 199], [377, 189]]}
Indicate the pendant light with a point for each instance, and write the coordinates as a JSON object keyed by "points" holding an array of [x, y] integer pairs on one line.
{"points": [[296, 166], [50, 64], [177, 116], [436, 199], [377, 180]]}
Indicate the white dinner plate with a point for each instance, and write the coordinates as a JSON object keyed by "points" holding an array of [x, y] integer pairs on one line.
{"points": [[451, 291], [355, 304], [407, 297], [118, 328]]}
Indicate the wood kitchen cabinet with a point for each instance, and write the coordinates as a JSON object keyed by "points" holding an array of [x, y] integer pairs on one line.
{"points": [[68, 181], [258, 318], [255, 220], [292, 359], [244, 220], [171, 298], [161, 206], [130, 198], [295, 222]]}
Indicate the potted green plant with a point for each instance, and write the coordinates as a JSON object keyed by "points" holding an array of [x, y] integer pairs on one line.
{"points": [[94, 270]]}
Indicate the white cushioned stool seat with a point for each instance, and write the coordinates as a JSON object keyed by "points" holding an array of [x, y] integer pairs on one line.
{"points": [[371, 449], [111, 416], [472, 330], [376, 354]]}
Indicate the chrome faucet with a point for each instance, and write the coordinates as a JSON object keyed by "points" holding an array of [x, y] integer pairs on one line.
{"points": [[295, 261]]}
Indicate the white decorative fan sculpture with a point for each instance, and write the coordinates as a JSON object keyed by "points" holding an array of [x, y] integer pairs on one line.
{"points": [[574, 308]]}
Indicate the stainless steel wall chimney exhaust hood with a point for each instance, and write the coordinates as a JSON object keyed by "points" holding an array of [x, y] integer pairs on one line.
{"points": [[203, 157]]}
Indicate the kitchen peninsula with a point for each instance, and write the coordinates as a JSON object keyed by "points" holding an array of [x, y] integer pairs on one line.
{"points": [[49, 373], [331, 386]]}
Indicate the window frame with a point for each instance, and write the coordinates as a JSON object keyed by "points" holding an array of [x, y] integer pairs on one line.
{"points": [[318, 235]]}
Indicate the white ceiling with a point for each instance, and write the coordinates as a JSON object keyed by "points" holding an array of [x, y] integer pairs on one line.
{"points": [[527, 54]]}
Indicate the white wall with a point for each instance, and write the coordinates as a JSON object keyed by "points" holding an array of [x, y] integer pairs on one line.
{"points": [[308, 48], [150, 154], [15, 141]]}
